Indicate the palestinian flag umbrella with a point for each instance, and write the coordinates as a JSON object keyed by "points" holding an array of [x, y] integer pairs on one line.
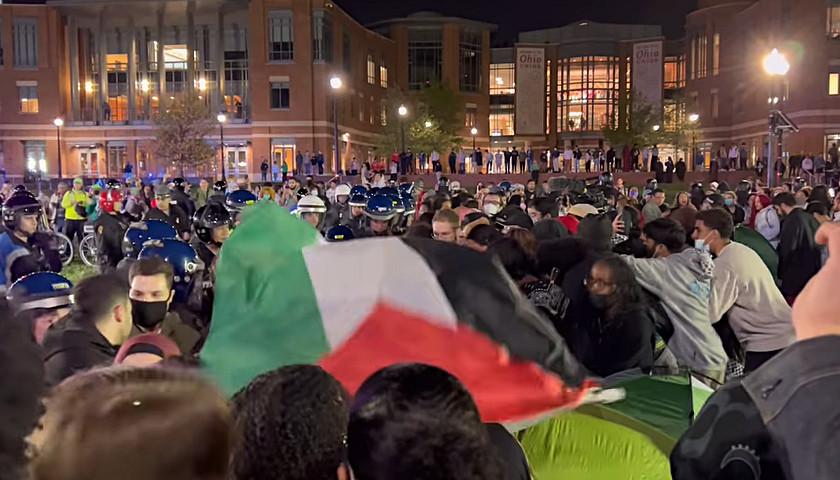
{"points": [[630, 439], [284, 297]]}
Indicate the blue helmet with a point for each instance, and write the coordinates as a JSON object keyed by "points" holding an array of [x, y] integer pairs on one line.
{"points": [[209, 217], [406, 187], [40, 291], [340, 233], [373, 191], [21, 202], [239, 199], [358, 200], [504, 186], [408, 204], [380, 207], [398, 203], [183, 258], [358, 190], [141, 232], [388, 191]]}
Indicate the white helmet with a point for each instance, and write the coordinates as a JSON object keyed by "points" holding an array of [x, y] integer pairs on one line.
{"points": [[310, 204], [342, 189]]}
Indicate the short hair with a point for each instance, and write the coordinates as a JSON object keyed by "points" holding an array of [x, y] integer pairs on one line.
{"points": [[448, 216], [484, 235], [658, 190], [417, 421], [95, 296], [785, 198], [817, 208], [101, 419], [667, 232], [546, 206], [293, 422], [151, 266], [717, 219], [513, 258]]}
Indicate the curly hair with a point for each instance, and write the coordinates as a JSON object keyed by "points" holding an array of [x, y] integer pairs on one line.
{"points": [[293, 425], [419, 422]]}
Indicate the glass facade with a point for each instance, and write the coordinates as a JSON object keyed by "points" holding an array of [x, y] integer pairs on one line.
{"points": [[674, 72], [470, 54], [587, 93], [501, 120], [425, 57], [502, 79]]}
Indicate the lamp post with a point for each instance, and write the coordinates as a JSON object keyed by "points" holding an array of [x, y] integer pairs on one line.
{"points": [[222, 118], [335, 84], [403, 112], [474, 132], [775, 65], [58, 122], [692, 119]]}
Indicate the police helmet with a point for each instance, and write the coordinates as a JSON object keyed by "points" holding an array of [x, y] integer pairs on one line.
{"points": [[310, 204], [179, 183], [113, 184], [398, 203], [406, 187], [18, 204], [208, 217], [358, 200], [183, 258], [40, 291], [220, 186], [380, 207], [408, 204], [504, 186], [141, 232], [342, 190], [239, 199], [391, 191], [373, 191], [20, 189], [340, 233], [358, 190]]}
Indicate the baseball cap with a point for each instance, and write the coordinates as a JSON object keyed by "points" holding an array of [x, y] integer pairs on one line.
{"points": [[582, 210], [78, 181]]}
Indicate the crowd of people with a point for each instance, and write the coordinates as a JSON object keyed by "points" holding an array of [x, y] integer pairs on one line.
{"points": [[103, 378]]}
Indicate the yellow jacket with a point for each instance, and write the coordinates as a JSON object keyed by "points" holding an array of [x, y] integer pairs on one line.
{"points": [[69, 202]]}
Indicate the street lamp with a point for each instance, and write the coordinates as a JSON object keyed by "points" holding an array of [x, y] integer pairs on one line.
{"points": [[775, 65], [474, 132], [428, 124], [403, 112], [335, 84], [656, 128], [222, 118], [58, 122], [692, 119]]}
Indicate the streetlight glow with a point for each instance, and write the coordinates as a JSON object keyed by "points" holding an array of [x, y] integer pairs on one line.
{"points": [[336, 82], [402, 111], [202, 84], [346, 137], [144, 85], [88, 86], [474, 131], [656, 128], [693, 117], [775, 63], [428, 124], [221, 118], [58, 122]]}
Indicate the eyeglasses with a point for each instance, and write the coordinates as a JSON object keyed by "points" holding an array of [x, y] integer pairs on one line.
{"points": [[596, 283]]}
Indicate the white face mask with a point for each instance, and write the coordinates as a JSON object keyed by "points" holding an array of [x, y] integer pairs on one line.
{"points": [[490, 209], [836, 216], [700, 244]]}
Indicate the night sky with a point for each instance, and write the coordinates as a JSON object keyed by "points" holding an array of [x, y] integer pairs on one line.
{"points": [[513, 16]]}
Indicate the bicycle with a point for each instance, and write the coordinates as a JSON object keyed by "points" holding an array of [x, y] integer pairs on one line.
{"points": [[65, 248], [87, 247]]}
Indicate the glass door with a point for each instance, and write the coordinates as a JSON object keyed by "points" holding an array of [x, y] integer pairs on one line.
{"points": [[237, 161], [116, 160], [89, 162], [283, 153]]}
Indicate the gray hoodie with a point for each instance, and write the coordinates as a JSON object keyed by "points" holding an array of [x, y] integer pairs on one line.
{"points": [[682, 281]]}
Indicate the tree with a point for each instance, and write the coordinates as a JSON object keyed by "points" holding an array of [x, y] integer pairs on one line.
{"points": [[436, 106], [181, 131], [637, 128]]}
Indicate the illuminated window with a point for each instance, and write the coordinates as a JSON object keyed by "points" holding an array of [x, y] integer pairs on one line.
{"points": [[834, 83], [28, 98], [674, 72], [833, 22], [715, 54], [502, 79], [692, 66], [702, 55], [383, 75], [371, 70], [281, 43], [470, 61], [501, 121], [587, 93]]}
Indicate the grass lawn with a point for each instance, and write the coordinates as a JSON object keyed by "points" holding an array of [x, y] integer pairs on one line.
{"points": [[77, 270]]}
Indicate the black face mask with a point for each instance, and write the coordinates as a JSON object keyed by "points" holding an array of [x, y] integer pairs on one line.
{"points": [[147, 315], [601, 302]]}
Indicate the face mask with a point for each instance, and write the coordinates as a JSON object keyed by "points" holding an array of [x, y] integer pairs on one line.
{"points": [[700, 244], [314, 192], [490, 209], [836, 216], [147, 315], [728, 202], [601, 302], [634, 194]]}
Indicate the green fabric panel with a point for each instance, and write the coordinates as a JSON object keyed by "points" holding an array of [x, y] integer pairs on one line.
{"points": [[663, 402], [577, 446], [760, 246], [265, 314]]}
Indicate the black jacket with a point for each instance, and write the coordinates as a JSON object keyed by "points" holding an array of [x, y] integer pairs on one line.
{"points": [[73, 345], [109, 231], [800, 258], [43, 256], [608, 347], [184, 201], [177, 218]]}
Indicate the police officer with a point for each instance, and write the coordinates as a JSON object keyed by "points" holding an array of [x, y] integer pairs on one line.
{"points": [[339, 233], [312, 210], [23, 249], [380, 211], [339, 211], [109, 230], [41, 299], [236, 202], [211, 224], [137, 234], [357, 221], [219, 192], [167, 212], [180, 197]]}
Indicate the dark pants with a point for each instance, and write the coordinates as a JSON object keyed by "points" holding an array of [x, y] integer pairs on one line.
{"points": [[507, 165], [264, 176], [754, 360], [535, 176], [452, 166], [320, 168], [59, 225], [74, 228]]}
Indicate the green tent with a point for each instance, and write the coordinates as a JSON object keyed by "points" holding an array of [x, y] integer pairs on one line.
{"points": [[628, 440]]}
